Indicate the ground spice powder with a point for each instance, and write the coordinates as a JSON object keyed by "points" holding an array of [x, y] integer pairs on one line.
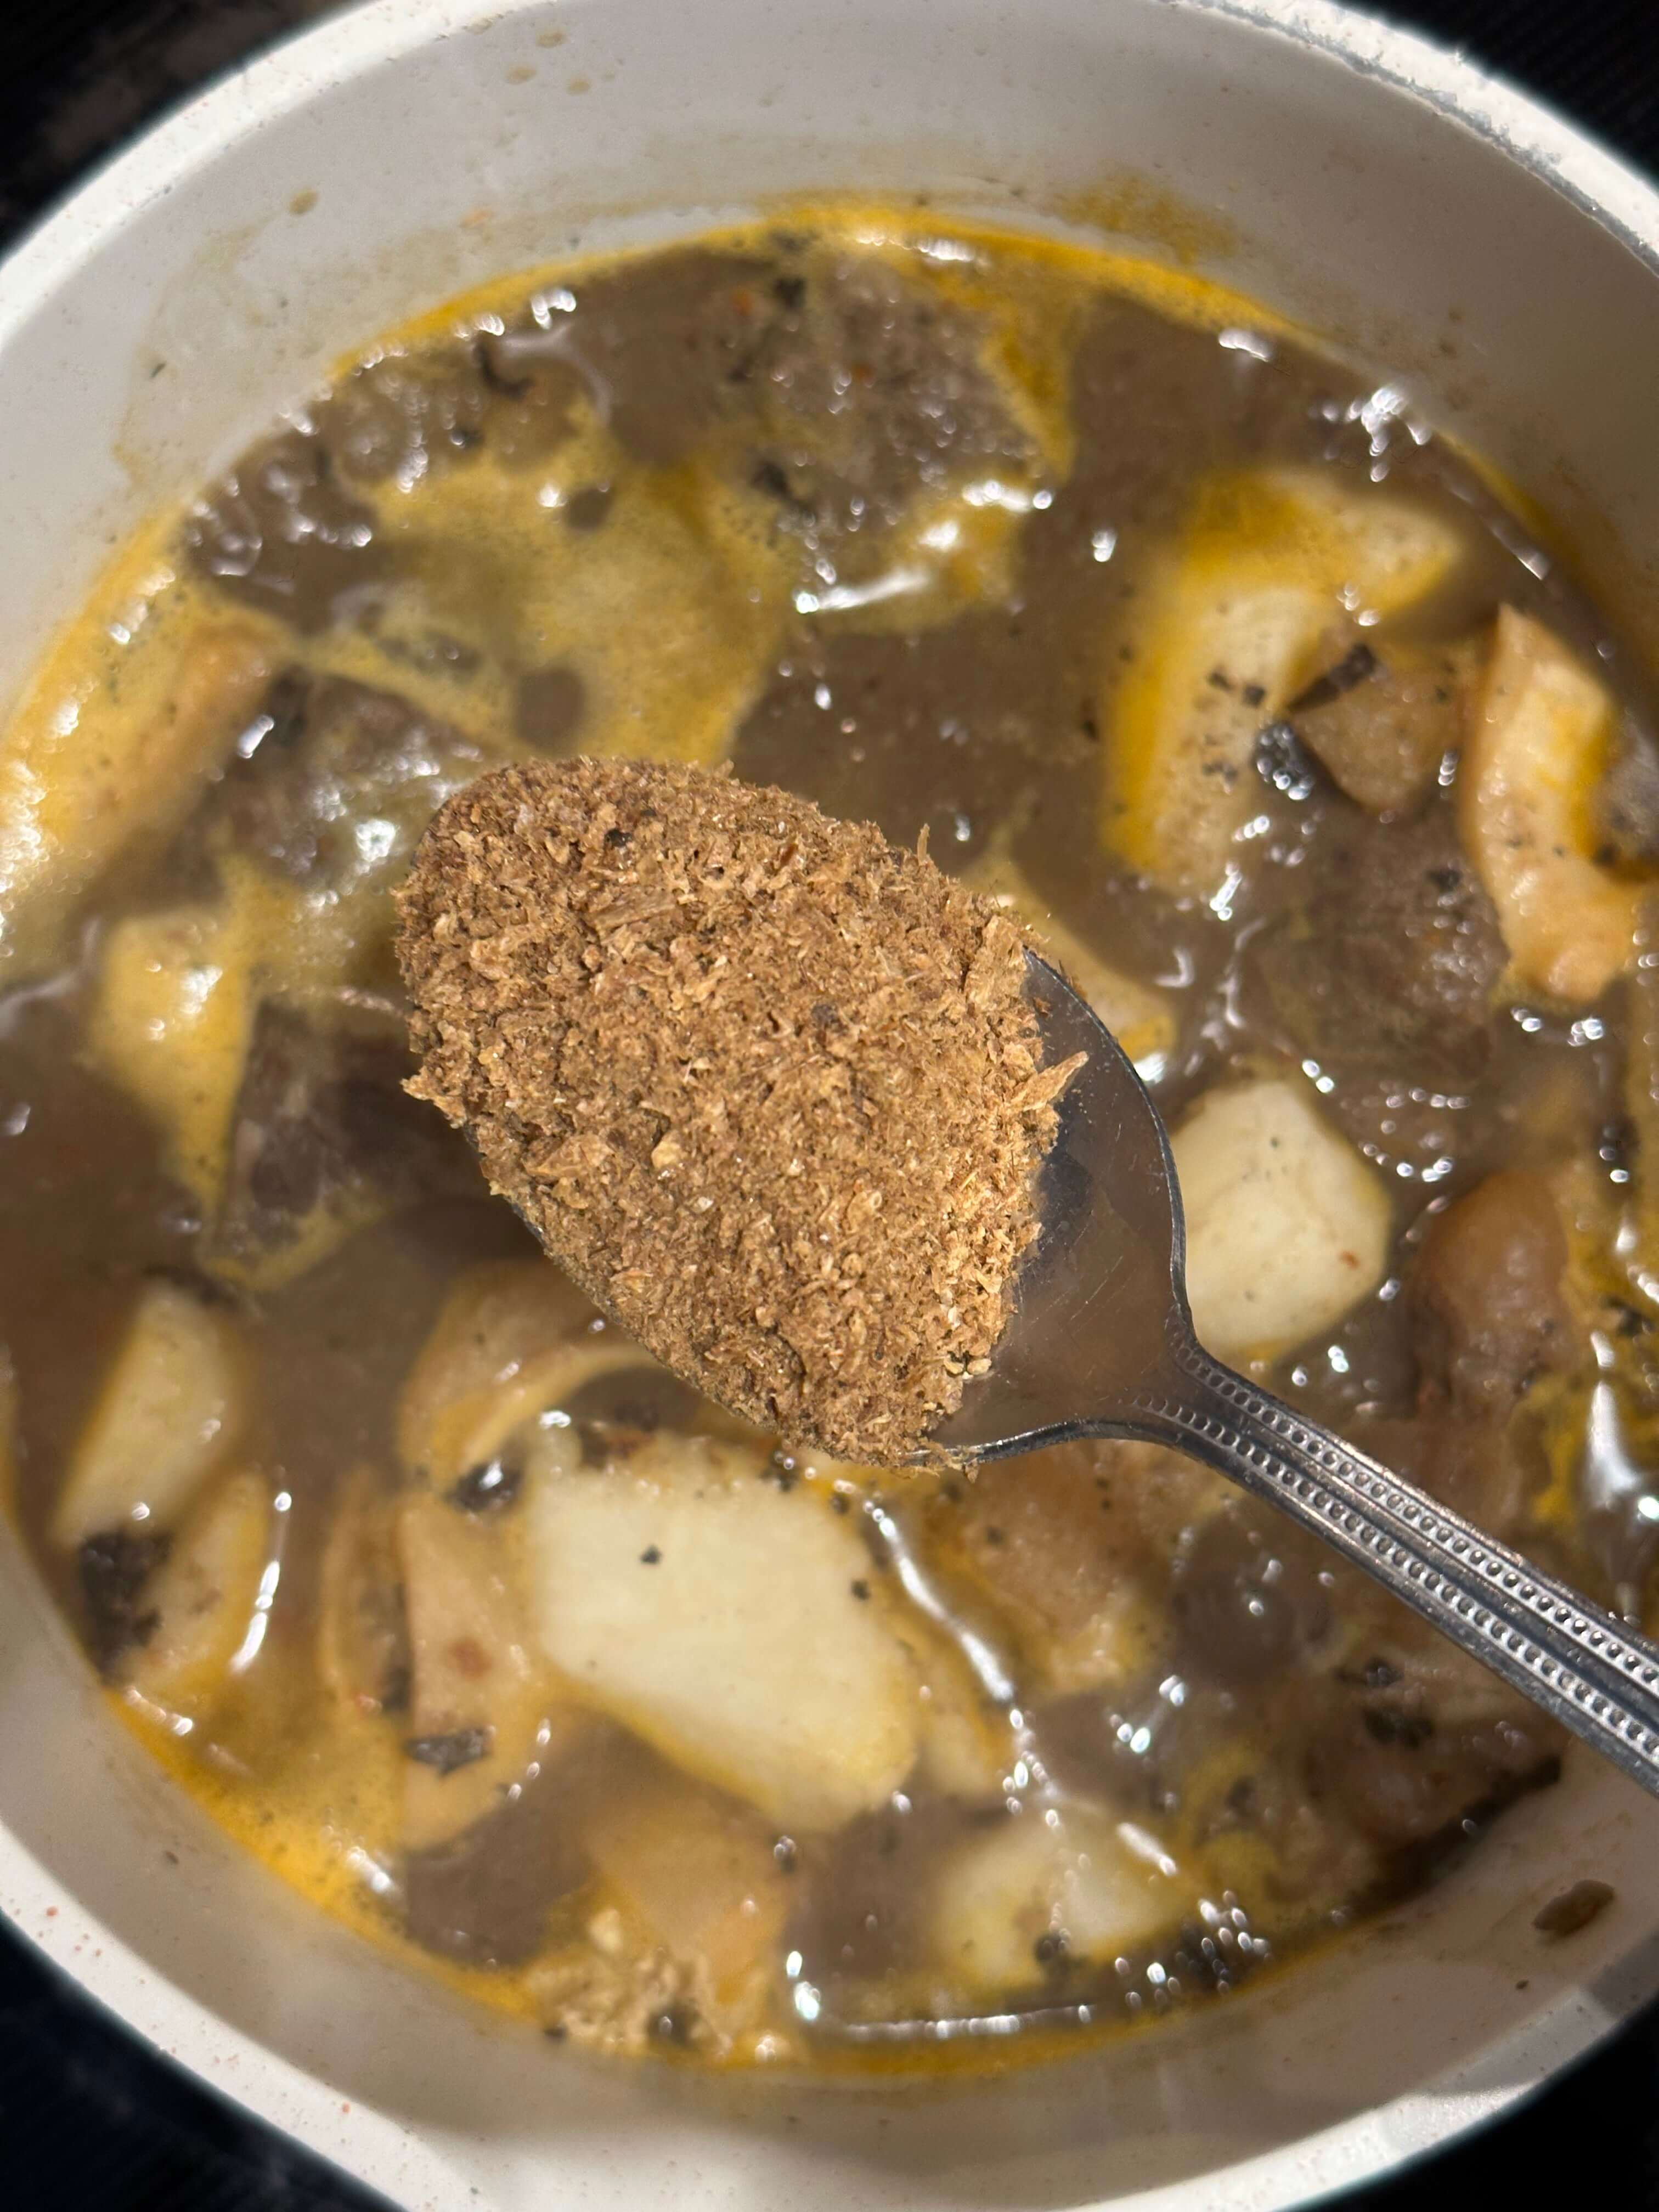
{"points": [[766, 1085]]}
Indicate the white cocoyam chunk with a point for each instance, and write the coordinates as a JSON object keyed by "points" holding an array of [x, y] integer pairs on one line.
{"points": [[1538, 743], [1268, 573], [513, 1338], [717, 1617], [206, 1598], [1287, 1226], [1086, 1880], [167, 1416], [84, 775], [171, 1025], [478, 1681]]}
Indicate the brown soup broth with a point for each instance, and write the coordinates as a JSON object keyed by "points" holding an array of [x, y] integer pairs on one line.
{"points": [[491, 1636]]}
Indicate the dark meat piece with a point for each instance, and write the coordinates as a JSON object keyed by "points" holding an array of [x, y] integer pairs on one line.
{"points": [[1248, 1600], [863, 1912], [408, 414], [281, 533], [1389, 960], [324, 1129], [848, 388], [1486, 1308], [532, 390], [339, 786], [869, 389], [1405, 1764], [114, 1568]]}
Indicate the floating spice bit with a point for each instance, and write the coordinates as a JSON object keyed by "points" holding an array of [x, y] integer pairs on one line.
{"points": [[460, 1747], [487, 1487], [766, 1085]]}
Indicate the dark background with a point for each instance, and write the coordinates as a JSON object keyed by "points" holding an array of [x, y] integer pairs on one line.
{"points": [[88, 2117]]}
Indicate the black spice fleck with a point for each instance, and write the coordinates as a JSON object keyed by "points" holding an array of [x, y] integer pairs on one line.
{"points": [[460, 1747]]}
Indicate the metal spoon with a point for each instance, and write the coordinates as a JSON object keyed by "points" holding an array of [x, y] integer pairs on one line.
{"points": [[1102, 1345]]}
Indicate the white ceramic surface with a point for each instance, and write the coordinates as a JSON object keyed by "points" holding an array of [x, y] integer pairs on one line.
{"points": [[1435, 223]]}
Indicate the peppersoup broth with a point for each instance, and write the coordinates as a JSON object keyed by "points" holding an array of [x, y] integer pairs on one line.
{"points": [[1213, 665]]}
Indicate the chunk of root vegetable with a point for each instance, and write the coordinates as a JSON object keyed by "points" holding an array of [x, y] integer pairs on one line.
{"points": [[479, 1683], [728, 1624], [84, 776], [206, 1601], [514, 1339], [1538, 741], [1026, 1891], [1272, 564], [170, 1024], [1287, 1227], [168, 1412]]}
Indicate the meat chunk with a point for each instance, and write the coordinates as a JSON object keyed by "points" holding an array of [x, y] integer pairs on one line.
{"points": [[1487, 1309], [325, 1141], [1391, 957], [1419, 1739], [870, 388], [337, 779]]}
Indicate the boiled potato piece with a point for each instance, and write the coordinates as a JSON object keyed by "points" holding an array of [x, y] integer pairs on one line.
{"points": [[482, 1708], [171, 1024], [722, 1620], [1079, 1882], [362, 1635], [698, 1876], [1140, 1017], [1539, 742], [1272, 564], [86, 775], [515, 1338], [206, 1598], [1287, 1227], [169, 1412]]}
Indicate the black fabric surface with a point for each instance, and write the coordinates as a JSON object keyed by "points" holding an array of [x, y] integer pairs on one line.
{"points": [[89, 2117]]}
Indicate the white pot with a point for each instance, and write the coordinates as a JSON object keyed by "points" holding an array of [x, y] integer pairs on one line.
{"points": [[1427, 221]]}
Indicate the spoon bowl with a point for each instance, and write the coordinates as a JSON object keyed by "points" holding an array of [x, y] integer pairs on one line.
{"points": [[1102, 1345]]}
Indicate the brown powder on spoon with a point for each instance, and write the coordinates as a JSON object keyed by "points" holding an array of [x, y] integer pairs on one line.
{"points": [[766, 1085]]}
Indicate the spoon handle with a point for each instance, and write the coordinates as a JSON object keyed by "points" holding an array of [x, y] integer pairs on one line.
{"points": [[1554, 1646]]}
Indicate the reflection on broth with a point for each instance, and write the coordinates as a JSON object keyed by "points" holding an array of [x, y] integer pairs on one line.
{"points": [[1209, 661]]}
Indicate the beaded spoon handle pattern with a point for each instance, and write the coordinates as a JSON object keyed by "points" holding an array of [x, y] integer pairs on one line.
{"points": [[1101, 1344]]}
